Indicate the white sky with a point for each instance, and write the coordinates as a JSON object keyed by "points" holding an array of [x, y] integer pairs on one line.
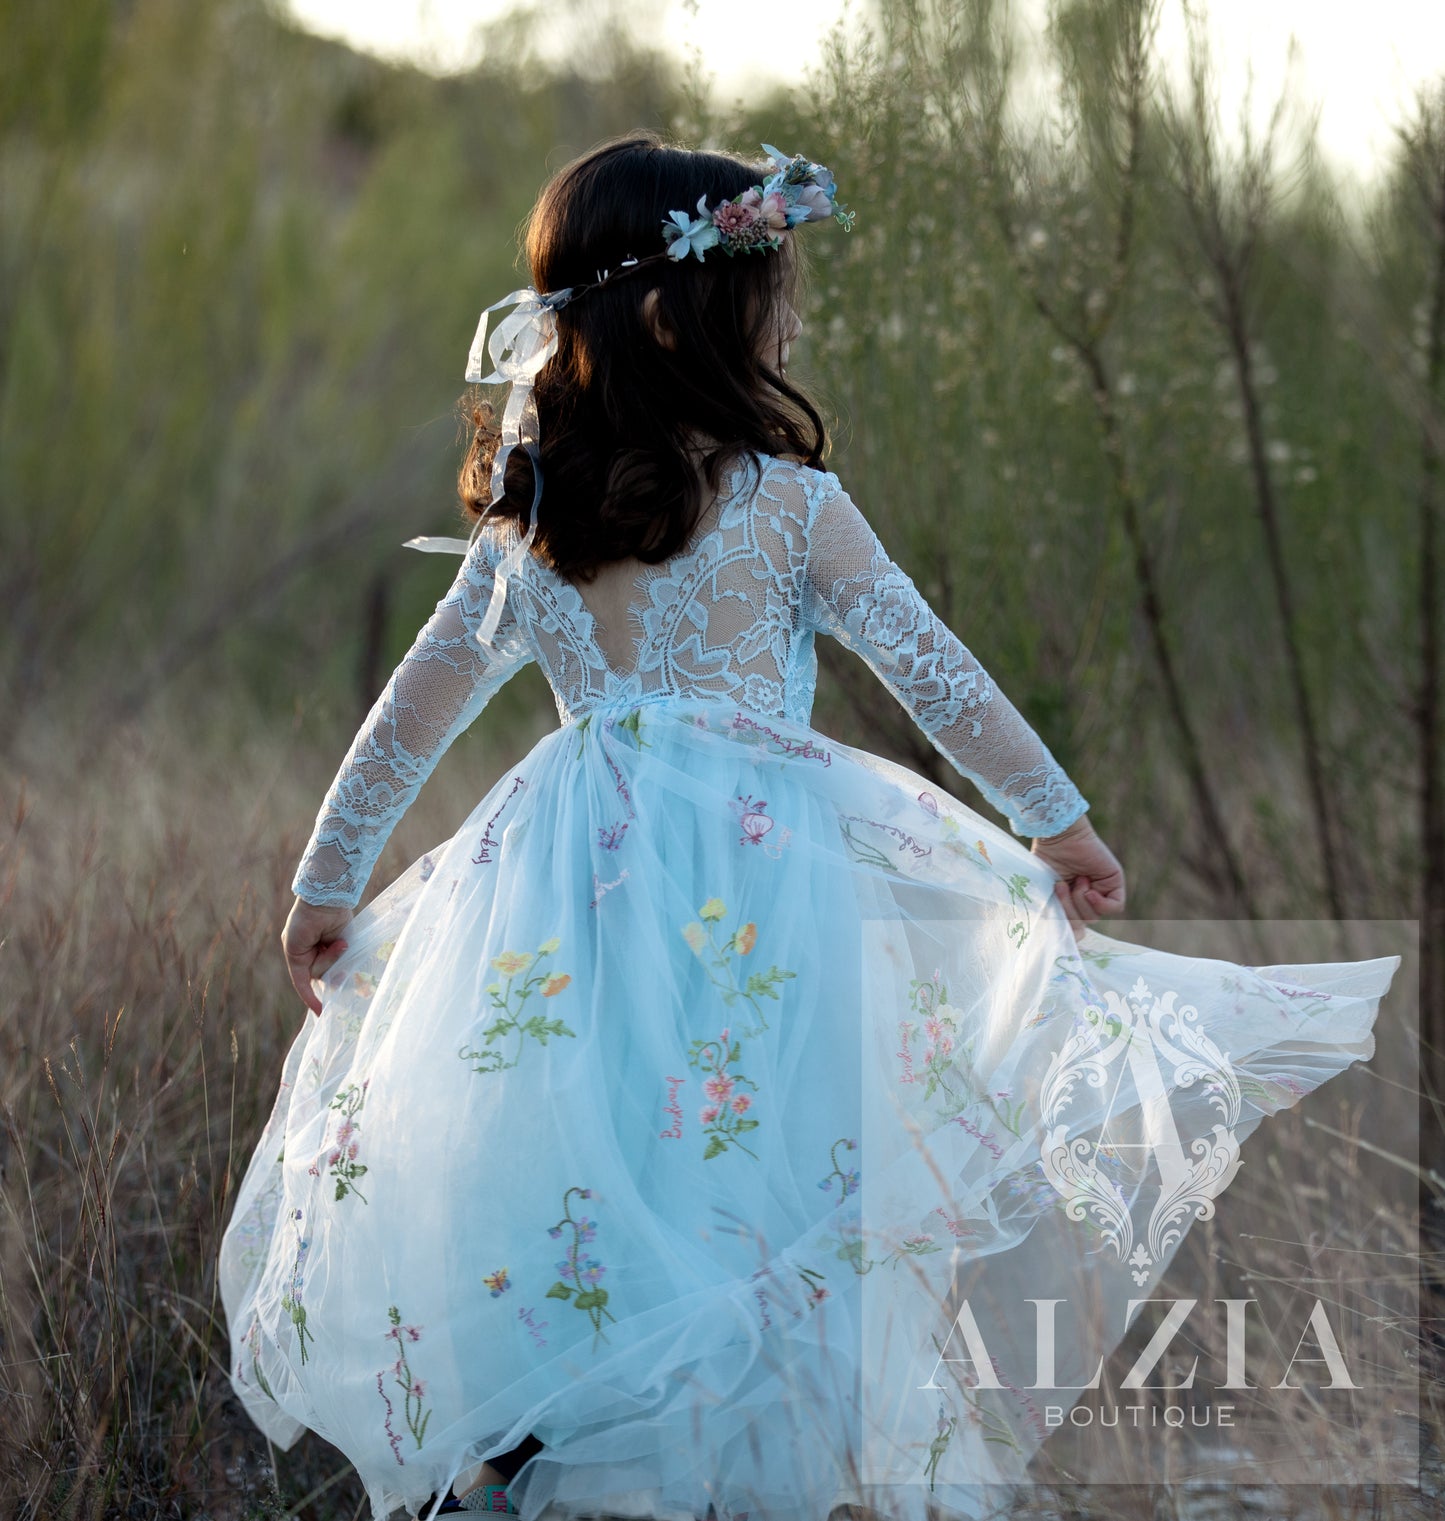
{"points": [[1358, 63]]}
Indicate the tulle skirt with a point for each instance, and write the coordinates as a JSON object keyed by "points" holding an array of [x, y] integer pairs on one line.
{"points": [[706, 1106]]}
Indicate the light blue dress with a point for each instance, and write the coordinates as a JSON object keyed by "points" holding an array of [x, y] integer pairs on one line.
{"points": [[662, 1110]]}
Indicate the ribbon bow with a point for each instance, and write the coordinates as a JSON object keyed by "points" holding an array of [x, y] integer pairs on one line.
{"points": [[519, 346]]}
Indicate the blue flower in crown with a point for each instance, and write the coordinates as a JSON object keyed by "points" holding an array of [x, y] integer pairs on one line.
{"points": [[687, 234], [797, 191]]}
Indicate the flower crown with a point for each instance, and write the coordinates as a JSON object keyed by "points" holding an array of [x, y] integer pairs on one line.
{"points": [[797, 191]]}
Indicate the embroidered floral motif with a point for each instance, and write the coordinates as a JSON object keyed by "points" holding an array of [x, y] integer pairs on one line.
{"points": [[580, 1277], [725, 1116], [253, 1346], [510, 1019], [721, 973], [497, 1282], [815, 1283], [291, 1299], [412, 1388], [630, 723], [939, 1445], [946, 1066], [1016, 885], [847, 1181], [756, 824], [341, 1159]]}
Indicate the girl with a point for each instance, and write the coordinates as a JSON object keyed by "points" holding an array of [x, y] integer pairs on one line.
{"points": [[564, 1185]]}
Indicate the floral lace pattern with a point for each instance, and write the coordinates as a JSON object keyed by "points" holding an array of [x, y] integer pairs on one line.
{"points": [[731, 618]]}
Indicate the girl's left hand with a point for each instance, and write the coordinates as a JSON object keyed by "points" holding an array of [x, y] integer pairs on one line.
{"points": [[311, 942]]}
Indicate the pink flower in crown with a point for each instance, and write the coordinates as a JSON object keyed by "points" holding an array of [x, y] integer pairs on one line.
{"points": [[734, 218], [771, 210], [774, 210]]}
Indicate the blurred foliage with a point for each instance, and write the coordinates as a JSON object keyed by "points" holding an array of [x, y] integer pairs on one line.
{"points": [[240, 265]]}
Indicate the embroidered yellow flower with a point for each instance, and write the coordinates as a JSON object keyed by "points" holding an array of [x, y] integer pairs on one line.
{"points": [[509, 963], [554, 985], [695, 936], [548, 946], [747, 937], [713, 909]]}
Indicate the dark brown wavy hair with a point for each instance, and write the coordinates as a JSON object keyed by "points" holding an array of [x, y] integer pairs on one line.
{"points": [[619, 409]]}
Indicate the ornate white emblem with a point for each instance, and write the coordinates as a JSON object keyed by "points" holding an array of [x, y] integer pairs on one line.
{"points": [[1141, 1028]]}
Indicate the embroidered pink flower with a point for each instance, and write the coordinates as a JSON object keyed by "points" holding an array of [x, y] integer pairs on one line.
{"points": [[708, 1115], [695, 936], [746, 938], [719, 1087], [741, 1103]]}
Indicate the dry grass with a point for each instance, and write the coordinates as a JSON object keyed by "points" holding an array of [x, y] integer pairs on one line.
{"points": [[146, 1012]]}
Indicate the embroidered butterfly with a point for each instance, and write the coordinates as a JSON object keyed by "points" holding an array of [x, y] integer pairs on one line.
{"points": [[497, 1282], [610, 837]]}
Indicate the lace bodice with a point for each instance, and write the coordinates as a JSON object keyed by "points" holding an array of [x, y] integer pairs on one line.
{"points": [[785, 554]]}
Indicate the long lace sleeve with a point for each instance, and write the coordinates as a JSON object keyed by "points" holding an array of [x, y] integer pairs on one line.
{"points": [[860, 596], [441, 685]]}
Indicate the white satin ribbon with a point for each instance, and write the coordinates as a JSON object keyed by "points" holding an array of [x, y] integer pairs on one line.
{"points": [[521, 344]]}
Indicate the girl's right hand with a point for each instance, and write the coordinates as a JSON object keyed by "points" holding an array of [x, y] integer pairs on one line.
{"points": [[1091, 880], [311, 941]]}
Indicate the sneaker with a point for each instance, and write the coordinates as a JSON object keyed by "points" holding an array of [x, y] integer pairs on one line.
{"points": [[488, 1498]]}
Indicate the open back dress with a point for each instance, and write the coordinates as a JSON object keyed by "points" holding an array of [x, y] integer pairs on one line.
{"points": [[663, 1111]]}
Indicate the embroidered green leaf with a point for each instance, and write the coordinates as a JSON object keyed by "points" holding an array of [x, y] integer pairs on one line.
{"points": [[559, 1290]]}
